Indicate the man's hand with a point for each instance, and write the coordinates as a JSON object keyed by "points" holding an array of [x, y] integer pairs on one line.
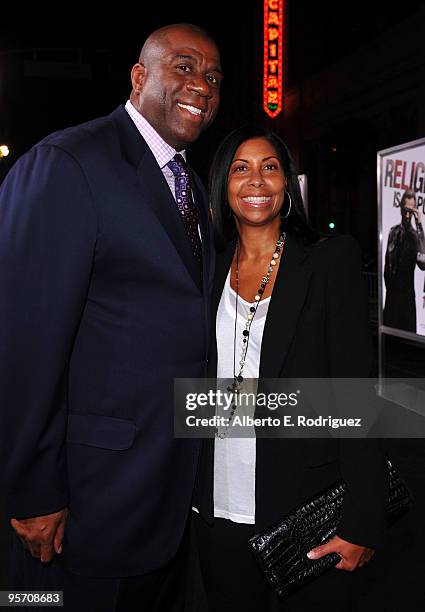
{"points": [[42, 535], [352, 555], [417, 216]]}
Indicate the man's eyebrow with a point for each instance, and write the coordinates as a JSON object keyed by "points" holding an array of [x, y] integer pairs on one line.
{"points": [[182, 57]]}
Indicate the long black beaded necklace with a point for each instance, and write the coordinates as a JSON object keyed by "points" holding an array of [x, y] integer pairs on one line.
{"points": [[238, 378]]}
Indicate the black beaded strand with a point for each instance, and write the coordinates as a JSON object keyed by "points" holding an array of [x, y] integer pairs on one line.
{"points": [[238, 378]]}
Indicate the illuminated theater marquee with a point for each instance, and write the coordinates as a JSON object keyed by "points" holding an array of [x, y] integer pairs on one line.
{"points": [[273, 53]]}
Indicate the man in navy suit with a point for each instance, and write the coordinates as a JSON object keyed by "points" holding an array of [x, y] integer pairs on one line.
{"points": [[105, 267]]}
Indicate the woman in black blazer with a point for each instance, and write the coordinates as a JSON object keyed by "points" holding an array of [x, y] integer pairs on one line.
{"points": [[284, 304]]}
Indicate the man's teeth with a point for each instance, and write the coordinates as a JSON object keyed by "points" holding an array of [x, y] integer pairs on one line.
{"points": [[191, 109], [256, 199]]}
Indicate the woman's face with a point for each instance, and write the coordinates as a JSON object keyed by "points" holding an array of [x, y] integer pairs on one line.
{"points": [[256, 183]]}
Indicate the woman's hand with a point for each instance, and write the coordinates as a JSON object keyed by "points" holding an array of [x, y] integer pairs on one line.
{"points": [[352, 555]]}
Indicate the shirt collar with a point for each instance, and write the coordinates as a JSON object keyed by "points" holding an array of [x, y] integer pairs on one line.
{"points": [[161, 150]]}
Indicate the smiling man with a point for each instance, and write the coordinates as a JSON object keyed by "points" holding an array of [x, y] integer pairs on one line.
{"points": [[105, 260], [176, 83]]}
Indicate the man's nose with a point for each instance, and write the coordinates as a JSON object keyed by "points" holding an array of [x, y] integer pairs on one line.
{"points": [[199, 84]]}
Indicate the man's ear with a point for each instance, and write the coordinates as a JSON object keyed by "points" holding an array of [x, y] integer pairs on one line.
{"points": [[138, 77]]}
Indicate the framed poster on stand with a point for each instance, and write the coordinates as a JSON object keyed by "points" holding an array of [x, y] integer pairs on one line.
{"points": [[401, 249]]}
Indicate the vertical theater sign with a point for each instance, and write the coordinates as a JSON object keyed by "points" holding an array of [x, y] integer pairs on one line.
{"points": [[273, 57]]}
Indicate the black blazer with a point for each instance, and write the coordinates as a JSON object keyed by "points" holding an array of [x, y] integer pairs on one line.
{"points": [[316, 327], [102, 306]]}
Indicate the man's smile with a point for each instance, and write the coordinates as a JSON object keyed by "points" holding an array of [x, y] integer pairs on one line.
{"points": [[194, 111]]}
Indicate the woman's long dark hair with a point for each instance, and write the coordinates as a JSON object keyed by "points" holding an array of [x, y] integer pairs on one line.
{"points": [[222, 216]]}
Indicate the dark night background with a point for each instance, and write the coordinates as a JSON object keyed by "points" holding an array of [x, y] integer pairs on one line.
{"points": [[354, 85]]}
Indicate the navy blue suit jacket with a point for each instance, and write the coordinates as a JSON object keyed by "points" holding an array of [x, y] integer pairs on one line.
{"points": [[101, 307]]}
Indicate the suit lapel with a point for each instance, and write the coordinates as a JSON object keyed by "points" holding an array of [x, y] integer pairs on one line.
{"points": [[288, 298], [158, 197], [155, 190], [199, 196]]}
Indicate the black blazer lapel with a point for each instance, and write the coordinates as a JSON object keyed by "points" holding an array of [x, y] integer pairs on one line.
{"points": [[288, 297], [222, 265]]}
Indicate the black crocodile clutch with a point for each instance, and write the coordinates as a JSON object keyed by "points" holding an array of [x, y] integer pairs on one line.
{"points": [[282, 548]]}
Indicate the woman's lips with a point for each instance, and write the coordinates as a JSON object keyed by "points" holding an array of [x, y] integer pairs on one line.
{"points": [[257, 201]]}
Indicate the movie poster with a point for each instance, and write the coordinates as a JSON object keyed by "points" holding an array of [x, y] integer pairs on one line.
{"points": [[401, 184]]}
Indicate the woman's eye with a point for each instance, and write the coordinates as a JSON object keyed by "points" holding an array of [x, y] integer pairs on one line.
{"points": [[184, 67], [271, 167], [239, 168], [212, 79]]}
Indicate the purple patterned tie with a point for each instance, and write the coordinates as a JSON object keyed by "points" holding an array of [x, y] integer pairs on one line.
{"points": [[185, 203]]}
